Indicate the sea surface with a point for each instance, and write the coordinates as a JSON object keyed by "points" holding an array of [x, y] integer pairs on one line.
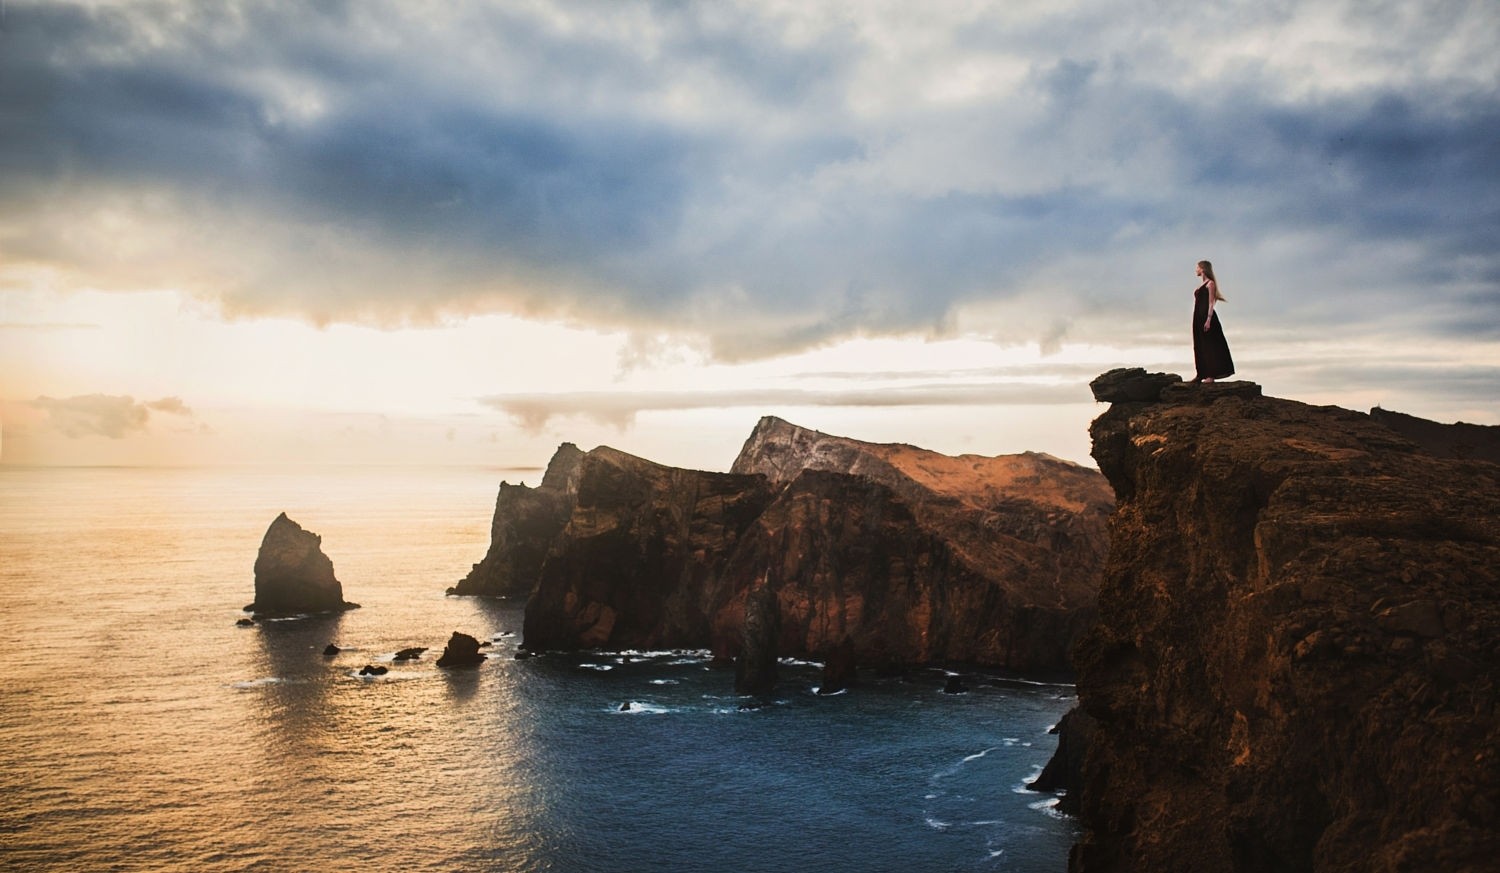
{"points": [[140, 729]]}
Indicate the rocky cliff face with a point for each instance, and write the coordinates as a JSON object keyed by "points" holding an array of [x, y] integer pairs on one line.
{"points": [[526, 522], [1295, 665], [633, 567], [292, 575], [900, 555]]}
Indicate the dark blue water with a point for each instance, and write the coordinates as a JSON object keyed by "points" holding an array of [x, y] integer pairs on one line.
{"points": [[141, 730]]}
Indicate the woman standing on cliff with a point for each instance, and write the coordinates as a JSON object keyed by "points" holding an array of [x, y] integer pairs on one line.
{"points": [[1210, 349]]}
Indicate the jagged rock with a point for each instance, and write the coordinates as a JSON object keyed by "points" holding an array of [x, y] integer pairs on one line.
{"points": [[409, 654], [1210, 392], [292, 575], [373, 670], [1064, 772], [755, 669], [1131, 385], [840, 668], [330, 650], [462, 651], [1295, 664], [526, 522], [245, 622]]}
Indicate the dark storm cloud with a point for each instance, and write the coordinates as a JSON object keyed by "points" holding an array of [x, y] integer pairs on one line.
{"points": [[767, 181]]}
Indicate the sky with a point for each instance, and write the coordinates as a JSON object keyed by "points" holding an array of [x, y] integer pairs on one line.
{"points": [[396, 233]]}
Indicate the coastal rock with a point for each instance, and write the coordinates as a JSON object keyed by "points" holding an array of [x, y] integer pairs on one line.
{"points": [[330, 650], [292, 575], [1295, 664], [955, 685], [462, 651], [409, 654], [526, 522], [1131, 385], [1064, 772], [373, 670], [910, 556], [840, 668], [919, 557], [755, 669], [633, 565]]}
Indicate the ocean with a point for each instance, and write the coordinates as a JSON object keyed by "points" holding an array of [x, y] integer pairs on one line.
{"points": [[141, 729]]}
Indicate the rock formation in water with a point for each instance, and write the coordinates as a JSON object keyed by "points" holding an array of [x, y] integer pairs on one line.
{"points": [[526, 522], [908, 555], [1296, 661], [634, 567], [292, 575], [462, 651]]}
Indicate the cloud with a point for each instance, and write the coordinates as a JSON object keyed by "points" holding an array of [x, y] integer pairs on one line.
{"points": [[764, 177], [619, 408], [106, 415]]}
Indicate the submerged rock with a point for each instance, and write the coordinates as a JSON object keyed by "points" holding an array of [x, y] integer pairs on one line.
{"points": [[462, 651], [955, 685], [330, 650], [373, 670], [292, 575]]}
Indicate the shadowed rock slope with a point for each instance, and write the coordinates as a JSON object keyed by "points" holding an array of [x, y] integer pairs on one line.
{"points": [[292, 575], [899, 554], [1295, 663], [526, 522]]}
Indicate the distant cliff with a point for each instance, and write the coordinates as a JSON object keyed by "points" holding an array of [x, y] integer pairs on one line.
{"points": [[1295, 665], [901, 555], [526, 522]]}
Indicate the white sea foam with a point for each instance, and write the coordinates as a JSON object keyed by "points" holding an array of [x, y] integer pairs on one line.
{"points": [[937, 824], [665, 682], [977, 755], [636, 707], [600, 667], [259, 683]]}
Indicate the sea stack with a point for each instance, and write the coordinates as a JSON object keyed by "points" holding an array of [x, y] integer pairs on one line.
{"points": [[292, 575]]}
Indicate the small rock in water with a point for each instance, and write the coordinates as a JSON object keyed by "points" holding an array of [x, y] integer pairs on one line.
{"points": [[245, 622], [373, 670], [410, 654], [955, 686], [331, 650], [625, 707], [462, 651]]}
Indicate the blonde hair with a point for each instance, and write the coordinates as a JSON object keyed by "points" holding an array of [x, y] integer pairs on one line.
{"points": [[1208, 273]]}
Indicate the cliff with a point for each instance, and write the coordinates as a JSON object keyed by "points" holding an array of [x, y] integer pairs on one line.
{"points": [[633, 566], [292, 575], [1295, 662], [900, 554], [526, 522]]}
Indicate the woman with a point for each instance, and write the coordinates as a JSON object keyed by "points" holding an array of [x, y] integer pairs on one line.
{"points": [[1210, 349]]}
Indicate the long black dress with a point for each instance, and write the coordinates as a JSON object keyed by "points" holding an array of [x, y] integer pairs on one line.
{"points": [[1210, 349]]}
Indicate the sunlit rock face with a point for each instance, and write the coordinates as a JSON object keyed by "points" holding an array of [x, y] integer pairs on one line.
{"points": [[1295, 664], [526, 522], [903, 555], [292, 575]]}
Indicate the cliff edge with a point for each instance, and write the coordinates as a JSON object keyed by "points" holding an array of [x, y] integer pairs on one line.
{"points": [[1295, 663]]}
